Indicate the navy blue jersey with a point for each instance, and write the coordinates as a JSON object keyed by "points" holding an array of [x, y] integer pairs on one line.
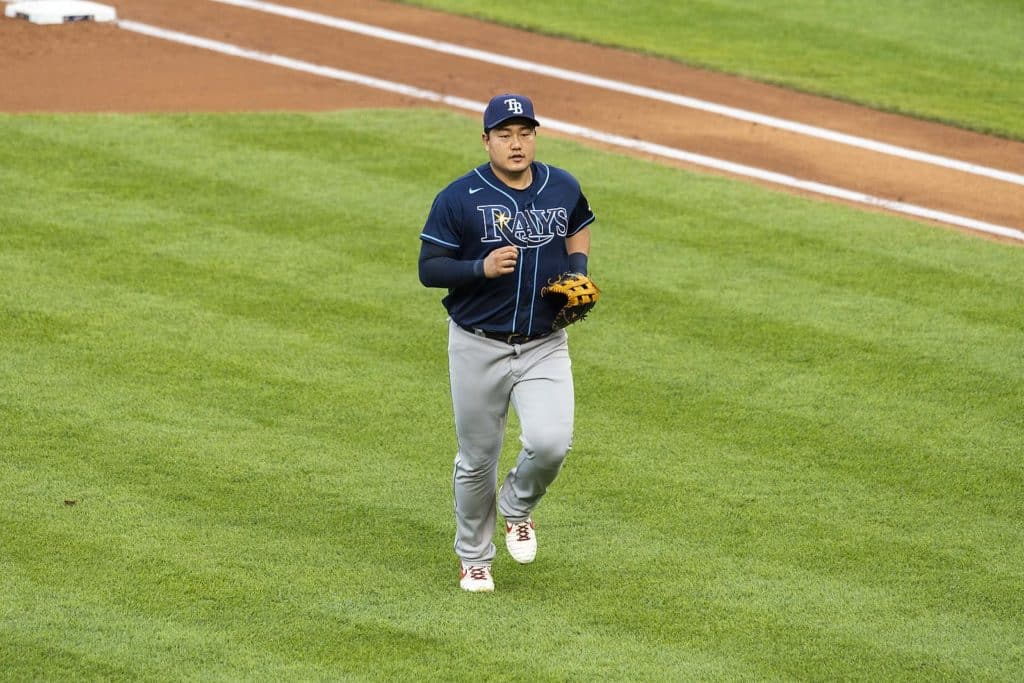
{"points": [[477, 214]]}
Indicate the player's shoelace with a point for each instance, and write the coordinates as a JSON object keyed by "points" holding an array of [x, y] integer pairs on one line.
{"points": [[522, 530], [478, 573]]}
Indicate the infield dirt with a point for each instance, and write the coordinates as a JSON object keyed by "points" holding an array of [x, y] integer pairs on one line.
{"points": [[86, 67]]}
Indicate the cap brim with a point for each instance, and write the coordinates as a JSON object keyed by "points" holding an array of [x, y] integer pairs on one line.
{"points": [[535, 122]]}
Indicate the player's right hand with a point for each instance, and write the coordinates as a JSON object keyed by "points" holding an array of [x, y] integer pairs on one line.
{"points": [[501, 261]]}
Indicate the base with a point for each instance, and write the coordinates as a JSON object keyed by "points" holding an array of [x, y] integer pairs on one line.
{"points": [[60, 11]]}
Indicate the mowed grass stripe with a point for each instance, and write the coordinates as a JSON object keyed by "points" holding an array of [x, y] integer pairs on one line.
{"points": [[796, 459]]}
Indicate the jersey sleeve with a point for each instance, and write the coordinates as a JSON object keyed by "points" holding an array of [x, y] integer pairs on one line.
{"points": [[581, 215], [442, 226]]}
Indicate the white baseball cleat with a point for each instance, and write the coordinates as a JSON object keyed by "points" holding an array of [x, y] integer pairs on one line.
{"points": [[521, 539], [476, 578]]}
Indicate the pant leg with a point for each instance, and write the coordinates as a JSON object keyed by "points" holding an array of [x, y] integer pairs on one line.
{"points": [[480, 385], [543, 399]]}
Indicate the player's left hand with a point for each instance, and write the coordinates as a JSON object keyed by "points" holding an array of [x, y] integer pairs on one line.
{"points": [[575, 293]]}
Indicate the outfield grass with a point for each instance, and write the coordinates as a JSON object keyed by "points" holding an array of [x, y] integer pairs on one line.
{"points": [[961, 63], [798, 450]]}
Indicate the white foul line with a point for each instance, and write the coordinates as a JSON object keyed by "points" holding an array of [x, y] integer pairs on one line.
{"points": [[628, 88], [572, 129]]}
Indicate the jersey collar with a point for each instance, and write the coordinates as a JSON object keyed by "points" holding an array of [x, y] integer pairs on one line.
{"points": [[525, 197]]}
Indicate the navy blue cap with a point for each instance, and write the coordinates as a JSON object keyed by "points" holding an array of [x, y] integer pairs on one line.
{"points": [[501, 108]]}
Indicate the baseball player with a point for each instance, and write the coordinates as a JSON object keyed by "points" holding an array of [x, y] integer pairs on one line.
{"points": [[494, 238]]}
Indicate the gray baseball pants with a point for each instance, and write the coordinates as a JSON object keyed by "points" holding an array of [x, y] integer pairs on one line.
{"points": [[486, 377]]}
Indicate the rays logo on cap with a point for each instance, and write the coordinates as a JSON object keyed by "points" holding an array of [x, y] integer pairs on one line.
{"points": [[507, 106]]}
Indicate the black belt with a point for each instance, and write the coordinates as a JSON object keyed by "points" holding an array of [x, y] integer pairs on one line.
{"points": [[504, 336]]}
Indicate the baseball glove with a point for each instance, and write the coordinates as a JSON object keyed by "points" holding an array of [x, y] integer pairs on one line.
{"points": [[574, 294]]}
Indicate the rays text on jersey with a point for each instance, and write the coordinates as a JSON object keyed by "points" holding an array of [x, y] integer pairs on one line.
{"points": [[527, 228]]}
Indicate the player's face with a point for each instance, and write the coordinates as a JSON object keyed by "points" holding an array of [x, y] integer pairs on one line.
{"points": [[511, 148]]}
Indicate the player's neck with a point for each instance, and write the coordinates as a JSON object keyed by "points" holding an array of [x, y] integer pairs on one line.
{"points": [[517, 181]]}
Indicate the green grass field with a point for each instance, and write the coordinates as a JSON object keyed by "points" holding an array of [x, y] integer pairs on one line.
{"points": [[797, 457], [954, 62]]}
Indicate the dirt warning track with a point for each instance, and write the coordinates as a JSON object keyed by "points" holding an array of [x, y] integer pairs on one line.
{"points": [[624, 97]]}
